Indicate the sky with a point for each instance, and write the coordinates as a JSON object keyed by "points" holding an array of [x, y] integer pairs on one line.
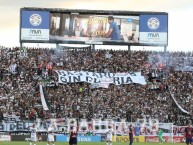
{"points": [[180, 13]]}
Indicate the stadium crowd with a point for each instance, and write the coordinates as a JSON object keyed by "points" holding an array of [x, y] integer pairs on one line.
{"points": [[21, 72]]}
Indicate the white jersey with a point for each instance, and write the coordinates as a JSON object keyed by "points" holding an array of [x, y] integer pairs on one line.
{"points": [[33, 131], [50, 135], [109, 136]]}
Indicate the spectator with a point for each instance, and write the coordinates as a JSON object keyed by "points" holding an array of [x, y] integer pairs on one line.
{"points": [[20, 76]]}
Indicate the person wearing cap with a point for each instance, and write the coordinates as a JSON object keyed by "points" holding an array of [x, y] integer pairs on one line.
{"points": [[114, 32]]}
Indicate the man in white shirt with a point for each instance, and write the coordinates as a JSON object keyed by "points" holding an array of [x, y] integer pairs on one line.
{"points": [[51, 135], [109, 136], [33, 131]]}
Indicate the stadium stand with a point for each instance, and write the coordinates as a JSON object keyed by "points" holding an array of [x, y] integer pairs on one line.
{"points": [[20, 76]]}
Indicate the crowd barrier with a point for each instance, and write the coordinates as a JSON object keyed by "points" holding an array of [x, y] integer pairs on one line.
{"points": [[65, 138]]}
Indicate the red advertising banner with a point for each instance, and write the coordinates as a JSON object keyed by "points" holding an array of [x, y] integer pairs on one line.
{"points": [[176, 139], [179, 139], [155, 138]]}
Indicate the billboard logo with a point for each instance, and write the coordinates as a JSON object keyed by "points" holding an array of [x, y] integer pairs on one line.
{"points": [[153, 35], [153, 23], [35, 19], [35, 32]]}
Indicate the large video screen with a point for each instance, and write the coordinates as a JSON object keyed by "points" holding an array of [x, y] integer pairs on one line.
{"points": [[94, 28], [61, 27]]}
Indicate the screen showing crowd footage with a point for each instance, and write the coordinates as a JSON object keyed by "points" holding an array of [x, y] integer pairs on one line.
{"points": [[72, 27]]}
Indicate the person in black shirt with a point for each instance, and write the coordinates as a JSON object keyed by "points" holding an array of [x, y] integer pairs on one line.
{"points": [[1, 115]]}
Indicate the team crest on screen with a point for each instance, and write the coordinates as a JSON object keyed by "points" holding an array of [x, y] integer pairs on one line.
{"points": [[35, 19], [153, 23]]}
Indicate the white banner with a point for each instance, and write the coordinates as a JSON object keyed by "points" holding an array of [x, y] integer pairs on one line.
{"points": [[45, 107], [65, 77], [146, 129], [5, 138], [180, 107]]}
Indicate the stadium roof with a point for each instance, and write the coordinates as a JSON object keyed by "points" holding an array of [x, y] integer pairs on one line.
{"points": [[84, 11]]}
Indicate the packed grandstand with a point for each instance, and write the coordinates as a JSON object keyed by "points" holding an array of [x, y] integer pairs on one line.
{"points": [[167, 95]]}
